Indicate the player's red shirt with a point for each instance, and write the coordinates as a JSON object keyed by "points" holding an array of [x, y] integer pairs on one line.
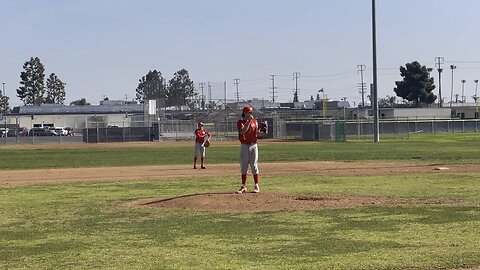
{"points": [[201, 134], [250, 135]]}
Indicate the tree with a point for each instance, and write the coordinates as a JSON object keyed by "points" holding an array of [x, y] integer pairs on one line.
{"points": [[151, 86], [181, 89], [387, 101], [211, 105], [295, 97], [55, 90], [4, 104], [32, 84], [79, 102], [417, 85]]}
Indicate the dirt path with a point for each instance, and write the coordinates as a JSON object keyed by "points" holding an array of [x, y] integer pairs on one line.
{"points": [[166, 172]]}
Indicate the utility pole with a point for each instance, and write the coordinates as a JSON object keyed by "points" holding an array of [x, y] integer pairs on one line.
{"points": [[225, 93], [463, 91], [273, 88], [476, 99], [236, 82], [439, 65], [165, 95], [202, 85], [376, 124], [361, 69], [296, 75], [5, 111], [4, 98], [209, 93], [451, 92]]}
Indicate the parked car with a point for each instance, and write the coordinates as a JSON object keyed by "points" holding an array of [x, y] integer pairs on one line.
{"points": [[17, 132], [40, 131], [59, 131]]}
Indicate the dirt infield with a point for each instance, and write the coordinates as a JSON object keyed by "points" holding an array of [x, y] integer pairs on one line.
{"points": [[249, 202], [259, 202], [163, 172], [229, 202]]}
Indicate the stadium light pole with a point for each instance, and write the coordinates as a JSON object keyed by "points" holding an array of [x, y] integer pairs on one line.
{"points": [[376, 134]]}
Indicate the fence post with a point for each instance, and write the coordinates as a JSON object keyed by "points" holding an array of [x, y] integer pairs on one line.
{"points": [[86, 130], [408, 128], [358, 126], [98, 135], [416, 128], [433, 125]]}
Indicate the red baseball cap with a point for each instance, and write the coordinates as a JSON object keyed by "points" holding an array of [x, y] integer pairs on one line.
{"points": [[247, 109]]}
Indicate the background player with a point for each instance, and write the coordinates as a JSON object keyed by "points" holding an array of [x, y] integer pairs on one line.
{"points": [[201, 136]]}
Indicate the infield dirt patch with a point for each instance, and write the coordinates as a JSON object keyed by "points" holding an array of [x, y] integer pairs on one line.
{"points": [[170, 172], [230, 202], [260, 202]]}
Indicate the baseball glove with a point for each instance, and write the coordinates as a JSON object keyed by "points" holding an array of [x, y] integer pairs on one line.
{"points": [[206, 143], [264, 127]]}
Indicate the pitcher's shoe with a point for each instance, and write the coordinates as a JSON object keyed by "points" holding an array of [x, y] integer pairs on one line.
{"points": [[256, 189], [242, 189]]}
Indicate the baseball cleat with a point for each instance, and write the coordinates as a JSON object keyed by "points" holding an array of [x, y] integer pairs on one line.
{"points": [[242, 189], [256, 189], [203, 167]]}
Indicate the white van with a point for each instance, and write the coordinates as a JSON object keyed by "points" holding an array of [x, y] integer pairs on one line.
{"points": [[59, 131]]}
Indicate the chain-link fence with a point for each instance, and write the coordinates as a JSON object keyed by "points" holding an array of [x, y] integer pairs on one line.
{"points": [[340, 130], [223, 126]]}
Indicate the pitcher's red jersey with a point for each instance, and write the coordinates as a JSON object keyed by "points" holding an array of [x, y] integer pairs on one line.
{"points": [[250, 136], [200, 135]]}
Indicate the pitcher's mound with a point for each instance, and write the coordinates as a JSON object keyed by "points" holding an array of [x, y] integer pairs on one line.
{"points": [[258, 202]]}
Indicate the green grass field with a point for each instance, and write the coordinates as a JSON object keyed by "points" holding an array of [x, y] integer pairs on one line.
{"points": [[433, 148], [88, 226]]}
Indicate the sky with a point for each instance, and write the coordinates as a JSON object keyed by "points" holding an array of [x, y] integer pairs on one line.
{"points": [[102, 48]]}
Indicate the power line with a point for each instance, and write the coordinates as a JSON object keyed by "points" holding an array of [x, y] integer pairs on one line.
{"points": [[463, 62]]}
